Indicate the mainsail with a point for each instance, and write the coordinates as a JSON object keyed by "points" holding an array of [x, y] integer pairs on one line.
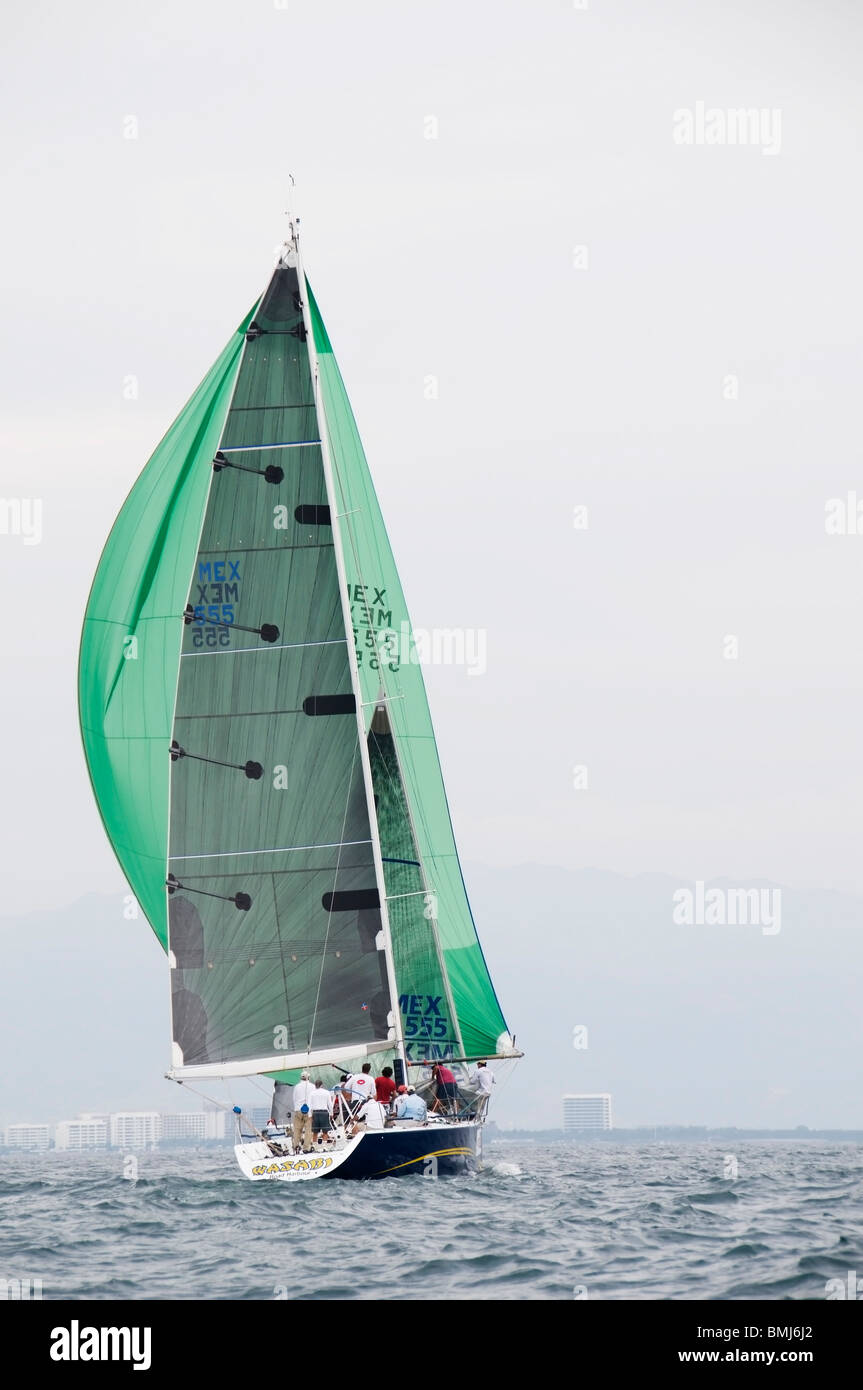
{"points": [[257, 732]]}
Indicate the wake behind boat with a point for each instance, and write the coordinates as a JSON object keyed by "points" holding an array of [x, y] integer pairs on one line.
{"points": [[262, 754]]}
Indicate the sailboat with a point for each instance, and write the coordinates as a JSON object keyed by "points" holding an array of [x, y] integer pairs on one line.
{"points": [[262, 755]]}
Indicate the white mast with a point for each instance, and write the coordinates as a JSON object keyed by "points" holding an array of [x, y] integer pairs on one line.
{"points": [[365, 761]]}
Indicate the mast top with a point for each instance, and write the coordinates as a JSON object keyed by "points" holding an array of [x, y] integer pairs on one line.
{"points": [[287, 254]]}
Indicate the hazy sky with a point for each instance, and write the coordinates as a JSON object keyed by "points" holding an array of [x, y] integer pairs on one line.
{"points": [[595, 377]]}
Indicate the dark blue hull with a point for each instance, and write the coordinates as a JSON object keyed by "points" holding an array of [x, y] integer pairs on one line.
{"points": [[436, 1151]]}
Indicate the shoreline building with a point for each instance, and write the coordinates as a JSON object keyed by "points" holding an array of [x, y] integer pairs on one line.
{"points": [[28, 1137], [136, 1129], [585, 1114], [84, 1133], [128, 1130], [202, 1125]]}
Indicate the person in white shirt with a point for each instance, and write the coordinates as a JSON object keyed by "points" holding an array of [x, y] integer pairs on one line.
{"points": [[483, 1079], [374, 1114], [302, 1128], [322, 1110], [361, 1086]]}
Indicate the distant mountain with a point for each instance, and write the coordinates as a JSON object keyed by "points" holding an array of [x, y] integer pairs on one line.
{"points": [[715, 1025]]}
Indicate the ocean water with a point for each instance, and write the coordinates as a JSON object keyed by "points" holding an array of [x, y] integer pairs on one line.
{"points": [[556, 1221]]}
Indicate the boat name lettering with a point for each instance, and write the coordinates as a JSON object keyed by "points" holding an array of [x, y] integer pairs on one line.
{"points": [[297, 1165]]}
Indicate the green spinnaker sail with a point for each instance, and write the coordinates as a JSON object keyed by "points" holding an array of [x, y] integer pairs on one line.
{"points": [[215, 628], [379, 608], [130, 644]]}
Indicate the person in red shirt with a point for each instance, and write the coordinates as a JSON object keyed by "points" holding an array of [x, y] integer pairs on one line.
{"points": [[447, 1089], [385, 1087]]}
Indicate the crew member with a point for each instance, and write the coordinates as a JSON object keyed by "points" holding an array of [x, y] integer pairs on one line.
{"points": [[360, 1086], [483, 1079], [446, 1091], [385, 1087], [410, 1106], [302, 1129], [322, 1109]]}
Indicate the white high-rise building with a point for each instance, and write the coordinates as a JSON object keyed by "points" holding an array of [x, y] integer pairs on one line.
{"points": [[586, 1112], [216, 1122], [86, 1132], [136, 1129], [195, 1124], [28, 1137]]}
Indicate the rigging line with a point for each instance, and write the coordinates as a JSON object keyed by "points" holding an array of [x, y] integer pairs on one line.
{"points": [[219, 1104], [332, 900]]}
